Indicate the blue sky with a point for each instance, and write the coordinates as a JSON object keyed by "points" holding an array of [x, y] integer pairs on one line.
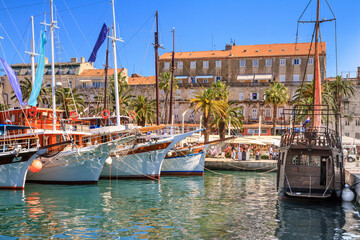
{"points": [[199, 25]]}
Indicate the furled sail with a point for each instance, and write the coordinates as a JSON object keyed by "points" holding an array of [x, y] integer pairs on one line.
{"points": [[99, 42], [13, 81], [317, 95], [39, 72]]}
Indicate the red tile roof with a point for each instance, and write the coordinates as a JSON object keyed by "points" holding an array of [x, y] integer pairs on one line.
{"points": [[284, 49], [141, 80], [98, 72]]}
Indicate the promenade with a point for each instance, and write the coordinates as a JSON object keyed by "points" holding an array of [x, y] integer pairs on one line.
{"points": [[235, 165]]}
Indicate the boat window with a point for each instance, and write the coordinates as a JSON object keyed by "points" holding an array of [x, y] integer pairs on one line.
{"points": [[305, 160]]}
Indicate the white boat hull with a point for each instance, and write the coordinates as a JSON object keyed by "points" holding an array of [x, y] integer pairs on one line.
{"points": [[77, 166], [143, 165], [12, 175], [192, 164]]}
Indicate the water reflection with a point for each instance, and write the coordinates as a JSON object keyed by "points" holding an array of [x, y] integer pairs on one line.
{"points": [[226, 205]]}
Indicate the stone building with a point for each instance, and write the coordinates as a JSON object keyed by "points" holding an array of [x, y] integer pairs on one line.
{"points": [[247, 70]]}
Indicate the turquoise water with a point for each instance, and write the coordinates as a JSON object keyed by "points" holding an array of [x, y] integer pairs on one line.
{"points": [[229, 205]]}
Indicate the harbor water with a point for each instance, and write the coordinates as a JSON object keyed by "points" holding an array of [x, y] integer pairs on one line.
{"points": [[221, 205]]}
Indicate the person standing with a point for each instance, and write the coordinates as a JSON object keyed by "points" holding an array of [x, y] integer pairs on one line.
{"points": [[257, 154], [233, 152], [271, 153], [239, 153]]}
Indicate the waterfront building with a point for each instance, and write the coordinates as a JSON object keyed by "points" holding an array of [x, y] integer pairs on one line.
{"points": [[248, 70]]}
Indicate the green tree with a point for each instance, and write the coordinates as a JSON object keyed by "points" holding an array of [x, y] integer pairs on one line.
{"points": [[68, 99], [165, 85], [276, 95], [339, 89], [232, 115], [26, 88], [145, 110], [209, 106]]}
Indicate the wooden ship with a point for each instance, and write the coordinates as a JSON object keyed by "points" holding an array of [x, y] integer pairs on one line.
{"points": [[311, 161]]}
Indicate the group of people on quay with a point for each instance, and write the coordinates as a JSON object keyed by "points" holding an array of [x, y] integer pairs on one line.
{"points": [[245, 152]]}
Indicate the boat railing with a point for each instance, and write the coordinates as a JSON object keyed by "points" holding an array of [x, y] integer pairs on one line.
{"points": [[17, 144], [311, 137]]}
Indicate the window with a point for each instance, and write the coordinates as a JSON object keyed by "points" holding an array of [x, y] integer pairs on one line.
{"points": [[96, 84], [282, 78], [178, 91], [241, 96], [310, 77], [70, 84], [305, 160], [166, 65], [48, 84], [357, 135], [176, 116], [296, 77], [217, 78], [92, 97], [347, 122], [310, 61], [71, 71], [297, 61], [347, 134], [263, 131], [267, 112], [255, 63], [218, 64], [254, 96], [84, 85], [205, 64], [192, 65], [357, 123], [254, 113], [280, 113], [268, 62], [205, 80], [282, 62], [242, 63], [180, 65], [192, 116], [242, 111]]}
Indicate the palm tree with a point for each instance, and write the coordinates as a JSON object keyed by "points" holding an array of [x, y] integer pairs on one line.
{"points": [[207, 103], [26, 88], [276, 95], [145, 110], [165, 85], [69, 100], [221, 90], [339, 89], [232, 115]]}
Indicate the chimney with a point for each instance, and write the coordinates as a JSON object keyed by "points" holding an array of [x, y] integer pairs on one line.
{"points": [[228, 47], [82, 60], [46, 60], [73, 59]]}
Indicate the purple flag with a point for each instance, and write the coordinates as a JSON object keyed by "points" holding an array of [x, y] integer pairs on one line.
{"points": [[99, 42], [13, 81]]}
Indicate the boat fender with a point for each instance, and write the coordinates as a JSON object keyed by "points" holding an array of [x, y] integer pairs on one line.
{"points": [[108, 161], [347, 195], [105, 114], [170, 153], [35, 166]]}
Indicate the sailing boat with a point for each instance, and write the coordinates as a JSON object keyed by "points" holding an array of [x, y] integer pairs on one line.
{"points": [[310, 161]]}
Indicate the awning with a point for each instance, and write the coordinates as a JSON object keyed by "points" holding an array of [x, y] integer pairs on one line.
{"points": [[85, 80], [263, 77], [204, 77], [181, 77], [245, 77]]}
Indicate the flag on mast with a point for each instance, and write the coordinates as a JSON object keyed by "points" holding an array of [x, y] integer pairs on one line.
{"points": [[39, 72], [99, 42], [13, 81]]}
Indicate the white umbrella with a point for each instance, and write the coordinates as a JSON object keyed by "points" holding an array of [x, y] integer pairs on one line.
{"points": [[256, 142]]}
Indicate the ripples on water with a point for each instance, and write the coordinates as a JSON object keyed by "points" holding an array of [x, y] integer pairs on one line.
{"points": [[230, 205]]}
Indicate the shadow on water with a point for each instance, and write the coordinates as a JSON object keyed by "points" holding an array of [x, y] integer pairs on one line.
{"points": [[226, 205]]}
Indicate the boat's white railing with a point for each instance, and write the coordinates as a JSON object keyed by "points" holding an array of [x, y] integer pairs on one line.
{"points": [[17, 144]]}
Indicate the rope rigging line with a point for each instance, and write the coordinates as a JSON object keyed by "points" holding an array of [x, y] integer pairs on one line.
{"points": [[147, 48], [22, 59]]}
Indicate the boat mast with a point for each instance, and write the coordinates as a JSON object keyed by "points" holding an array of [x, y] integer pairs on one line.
{"points": [[106, 69], [52, 26], [156, 46], [172, 77], [32, 53], [114, 39], [317, 76]]}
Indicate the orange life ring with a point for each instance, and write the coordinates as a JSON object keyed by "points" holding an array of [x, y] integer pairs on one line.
{"points": [[8, 122], [132, 114], [32, 112], [105, 114], [51, 115], [73, 115]]}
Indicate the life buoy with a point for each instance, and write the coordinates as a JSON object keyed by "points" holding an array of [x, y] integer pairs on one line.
{"points": [[73, 115], [32, 112], [105, 114], [8, 122], [51, 115], [132, 114]]}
